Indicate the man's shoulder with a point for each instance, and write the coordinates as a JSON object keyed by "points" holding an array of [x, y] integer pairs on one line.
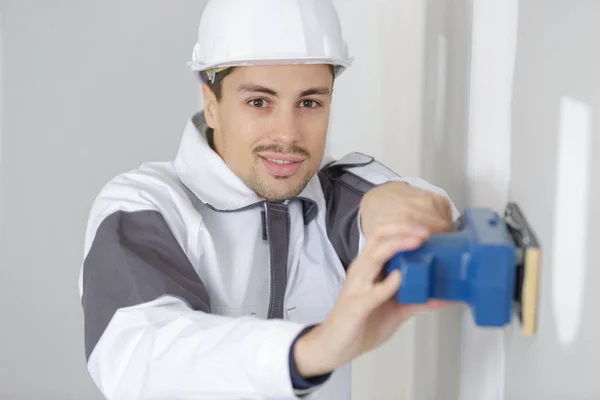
{"points": [[150, 190], [151, 186], [148, 178], [362, 172], [357, 167]]}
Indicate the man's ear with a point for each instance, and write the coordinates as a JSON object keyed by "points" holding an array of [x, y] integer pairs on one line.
{"points": [[211, 109]]}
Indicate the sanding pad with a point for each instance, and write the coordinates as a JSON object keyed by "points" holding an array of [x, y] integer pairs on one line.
{"points": [[528, 268]]}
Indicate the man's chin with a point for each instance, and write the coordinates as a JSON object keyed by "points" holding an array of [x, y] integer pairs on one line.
{"points": [[281, 188], [280, 195]]}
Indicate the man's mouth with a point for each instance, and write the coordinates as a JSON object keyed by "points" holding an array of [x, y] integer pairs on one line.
{"points": [[282, 162], [281, 165]]}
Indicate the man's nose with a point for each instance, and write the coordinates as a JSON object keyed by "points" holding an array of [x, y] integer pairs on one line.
{"points": [[285, 126]]}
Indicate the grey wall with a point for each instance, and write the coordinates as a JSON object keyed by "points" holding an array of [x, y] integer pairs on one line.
{"points": [[91, 88], [443, 162], [558, 55]]}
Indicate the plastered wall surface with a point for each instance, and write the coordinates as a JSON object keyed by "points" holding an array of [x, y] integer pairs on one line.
{"points": [[443, 161], [378, 110], [556, 178], [546, 160]]}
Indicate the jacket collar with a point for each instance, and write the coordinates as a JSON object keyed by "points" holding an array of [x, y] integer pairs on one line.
{"points": [[206, 175]]}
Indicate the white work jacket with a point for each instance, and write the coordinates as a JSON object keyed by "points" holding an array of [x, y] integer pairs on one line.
{"points": [[195, 288]]}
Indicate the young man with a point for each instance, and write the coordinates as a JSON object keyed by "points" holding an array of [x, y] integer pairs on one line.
{"points": [[249, 268]]}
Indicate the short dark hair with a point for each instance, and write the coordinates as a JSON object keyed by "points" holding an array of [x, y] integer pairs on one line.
{"points": [[217, 86]]}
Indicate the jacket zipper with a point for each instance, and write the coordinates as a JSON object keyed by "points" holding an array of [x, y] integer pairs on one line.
{"points": [[271, 310]]}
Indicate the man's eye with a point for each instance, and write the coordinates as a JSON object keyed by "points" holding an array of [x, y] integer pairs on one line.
{"points": [[259, 103], [309, 104]]}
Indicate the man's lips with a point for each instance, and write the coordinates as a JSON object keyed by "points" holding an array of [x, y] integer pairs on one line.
{"points": [[281, 157], [281, 165]]}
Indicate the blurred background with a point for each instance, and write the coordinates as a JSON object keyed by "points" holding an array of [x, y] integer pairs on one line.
{"points": [[493, 100]]}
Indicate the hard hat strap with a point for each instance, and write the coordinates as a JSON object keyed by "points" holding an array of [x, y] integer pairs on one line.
{"points": [[212, 73]]}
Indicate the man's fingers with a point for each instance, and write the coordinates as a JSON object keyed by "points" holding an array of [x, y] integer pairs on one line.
{"points": [[416, 222], [383, 252], [431, 305], [370, 263], [404, 231], [432, 223], [386, 289], [436, 305], [442, 203], [397, 228]]}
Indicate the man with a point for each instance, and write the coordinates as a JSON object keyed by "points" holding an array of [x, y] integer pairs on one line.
{"points": [[249, 267]]}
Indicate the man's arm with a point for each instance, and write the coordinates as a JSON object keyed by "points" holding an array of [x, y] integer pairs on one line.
{"points": [[148, 328], [304, 385], [366, 313], [398, 215]]}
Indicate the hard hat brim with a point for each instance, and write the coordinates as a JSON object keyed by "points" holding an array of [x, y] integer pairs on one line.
{"points": [[198, 67]]}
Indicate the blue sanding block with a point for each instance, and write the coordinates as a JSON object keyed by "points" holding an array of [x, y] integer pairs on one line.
{"points": [[488, 262]]}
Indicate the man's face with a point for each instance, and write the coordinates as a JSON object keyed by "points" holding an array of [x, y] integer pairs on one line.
{"points": [[271, 124]]}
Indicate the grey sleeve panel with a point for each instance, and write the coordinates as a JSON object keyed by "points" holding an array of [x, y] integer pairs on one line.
{"points": [[343, 192], [134, 259]]}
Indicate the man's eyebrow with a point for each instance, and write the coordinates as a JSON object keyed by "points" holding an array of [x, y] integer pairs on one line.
{"points": [[250, 88], [322, 91]]}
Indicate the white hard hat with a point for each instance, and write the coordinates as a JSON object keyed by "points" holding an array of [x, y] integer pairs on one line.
{"points": [[262, 32]]}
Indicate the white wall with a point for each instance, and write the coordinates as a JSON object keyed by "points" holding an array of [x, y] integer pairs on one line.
{"points": [[378, 110], [558, 57], [406, 102], [535, 112], [443, 162], [488, 171], [377, 102]]}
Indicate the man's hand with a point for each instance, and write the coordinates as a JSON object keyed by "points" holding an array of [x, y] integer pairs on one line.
{"points": [[394, 217], [405, 211]]}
